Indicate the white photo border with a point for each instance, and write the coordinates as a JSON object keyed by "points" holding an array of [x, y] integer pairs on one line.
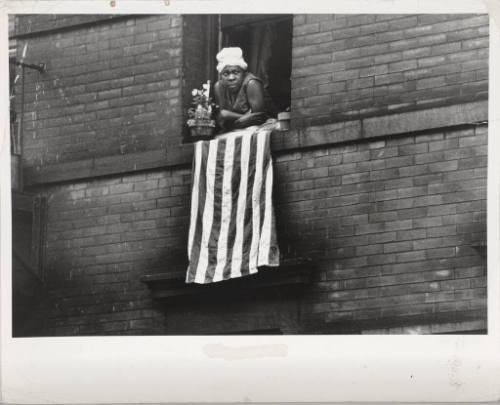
{"points": [[252, 368]]}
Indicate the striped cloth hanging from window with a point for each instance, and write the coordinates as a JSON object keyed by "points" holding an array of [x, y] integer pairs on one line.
{"points": [[232, 230]]}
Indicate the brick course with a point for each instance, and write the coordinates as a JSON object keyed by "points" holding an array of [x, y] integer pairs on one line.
{"points": [[109, 89], [404, 62], [102, 235], [407, 238]]}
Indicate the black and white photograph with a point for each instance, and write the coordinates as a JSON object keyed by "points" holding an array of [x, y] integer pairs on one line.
{"points": [[224, 202], [248, 174]]}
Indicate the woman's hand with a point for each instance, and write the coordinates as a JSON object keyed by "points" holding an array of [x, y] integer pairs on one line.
{"points": [[228, 115], [226, 118], [249, 119]]}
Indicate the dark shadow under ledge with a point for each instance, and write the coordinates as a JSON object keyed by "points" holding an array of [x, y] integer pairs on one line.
{"points": [[290, 275]]}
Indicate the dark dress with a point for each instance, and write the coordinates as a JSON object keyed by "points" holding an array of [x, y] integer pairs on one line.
{"points": [[238, 102]]}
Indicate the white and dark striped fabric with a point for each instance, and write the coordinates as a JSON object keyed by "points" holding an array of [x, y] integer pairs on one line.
{"points": [[232, 230]]}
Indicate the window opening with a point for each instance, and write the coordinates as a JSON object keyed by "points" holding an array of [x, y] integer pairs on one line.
{"points": [[28, 231], [266, 42]]}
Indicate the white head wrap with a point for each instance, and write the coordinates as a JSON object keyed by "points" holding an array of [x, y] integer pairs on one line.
{"points": [[230, 57]]}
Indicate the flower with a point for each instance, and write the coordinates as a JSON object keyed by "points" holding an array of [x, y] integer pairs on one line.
{"points": [[202, 103]]}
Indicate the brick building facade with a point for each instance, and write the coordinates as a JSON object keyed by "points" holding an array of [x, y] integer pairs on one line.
{"points": [[380, 184]]}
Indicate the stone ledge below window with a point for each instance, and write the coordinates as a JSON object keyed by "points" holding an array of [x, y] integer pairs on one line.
{"points": [[419, 121], [290, 275]]}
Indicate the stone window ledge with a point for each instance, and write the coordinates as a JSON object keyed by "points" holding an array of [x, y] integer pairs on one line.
{"points": [[436, 118], [289, 276]]}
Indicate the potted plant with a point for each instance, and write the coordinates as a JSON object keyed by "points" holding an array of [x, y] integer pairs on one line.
{"points": [[200, 122]]}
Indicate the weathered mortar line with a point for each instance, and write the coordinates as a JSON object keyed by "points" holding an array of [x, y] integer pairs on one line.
{"points": [[66, 28]]}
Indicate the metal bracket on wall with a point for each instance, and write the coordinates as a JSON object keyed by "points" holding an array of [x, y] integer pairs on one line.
{"points": [[41, 67]]}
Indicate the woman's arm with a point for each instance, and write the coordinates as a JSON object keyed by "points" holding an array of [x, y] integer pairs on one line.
{"points": [[256, 100], [255, 96]]}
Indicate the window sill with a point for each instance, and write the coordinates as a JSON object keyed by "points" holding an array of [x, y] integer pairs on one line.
{"points": [[290, 276], [282, 141]]}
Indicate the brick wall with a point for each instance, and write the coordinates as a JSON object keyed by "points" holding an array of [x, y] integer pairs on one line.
{"points": [[33, 23], [397, 226], [12, 25], [102, 236], [109, 89], [350, 66]]}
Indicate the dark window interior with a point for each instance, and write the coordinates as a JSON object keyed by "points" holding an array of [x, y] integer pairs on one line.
{"points": [[28, 235], [28, 229], [266, 42]]}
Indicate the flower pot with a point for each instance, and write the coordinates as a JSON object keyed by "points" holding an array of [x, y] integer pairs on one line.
{"points": [[284, 121], [201, 129]]}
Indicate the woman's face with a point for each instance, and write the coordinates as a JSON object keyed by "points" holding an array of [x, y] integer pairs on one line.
{"points": [[232, 77]]}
